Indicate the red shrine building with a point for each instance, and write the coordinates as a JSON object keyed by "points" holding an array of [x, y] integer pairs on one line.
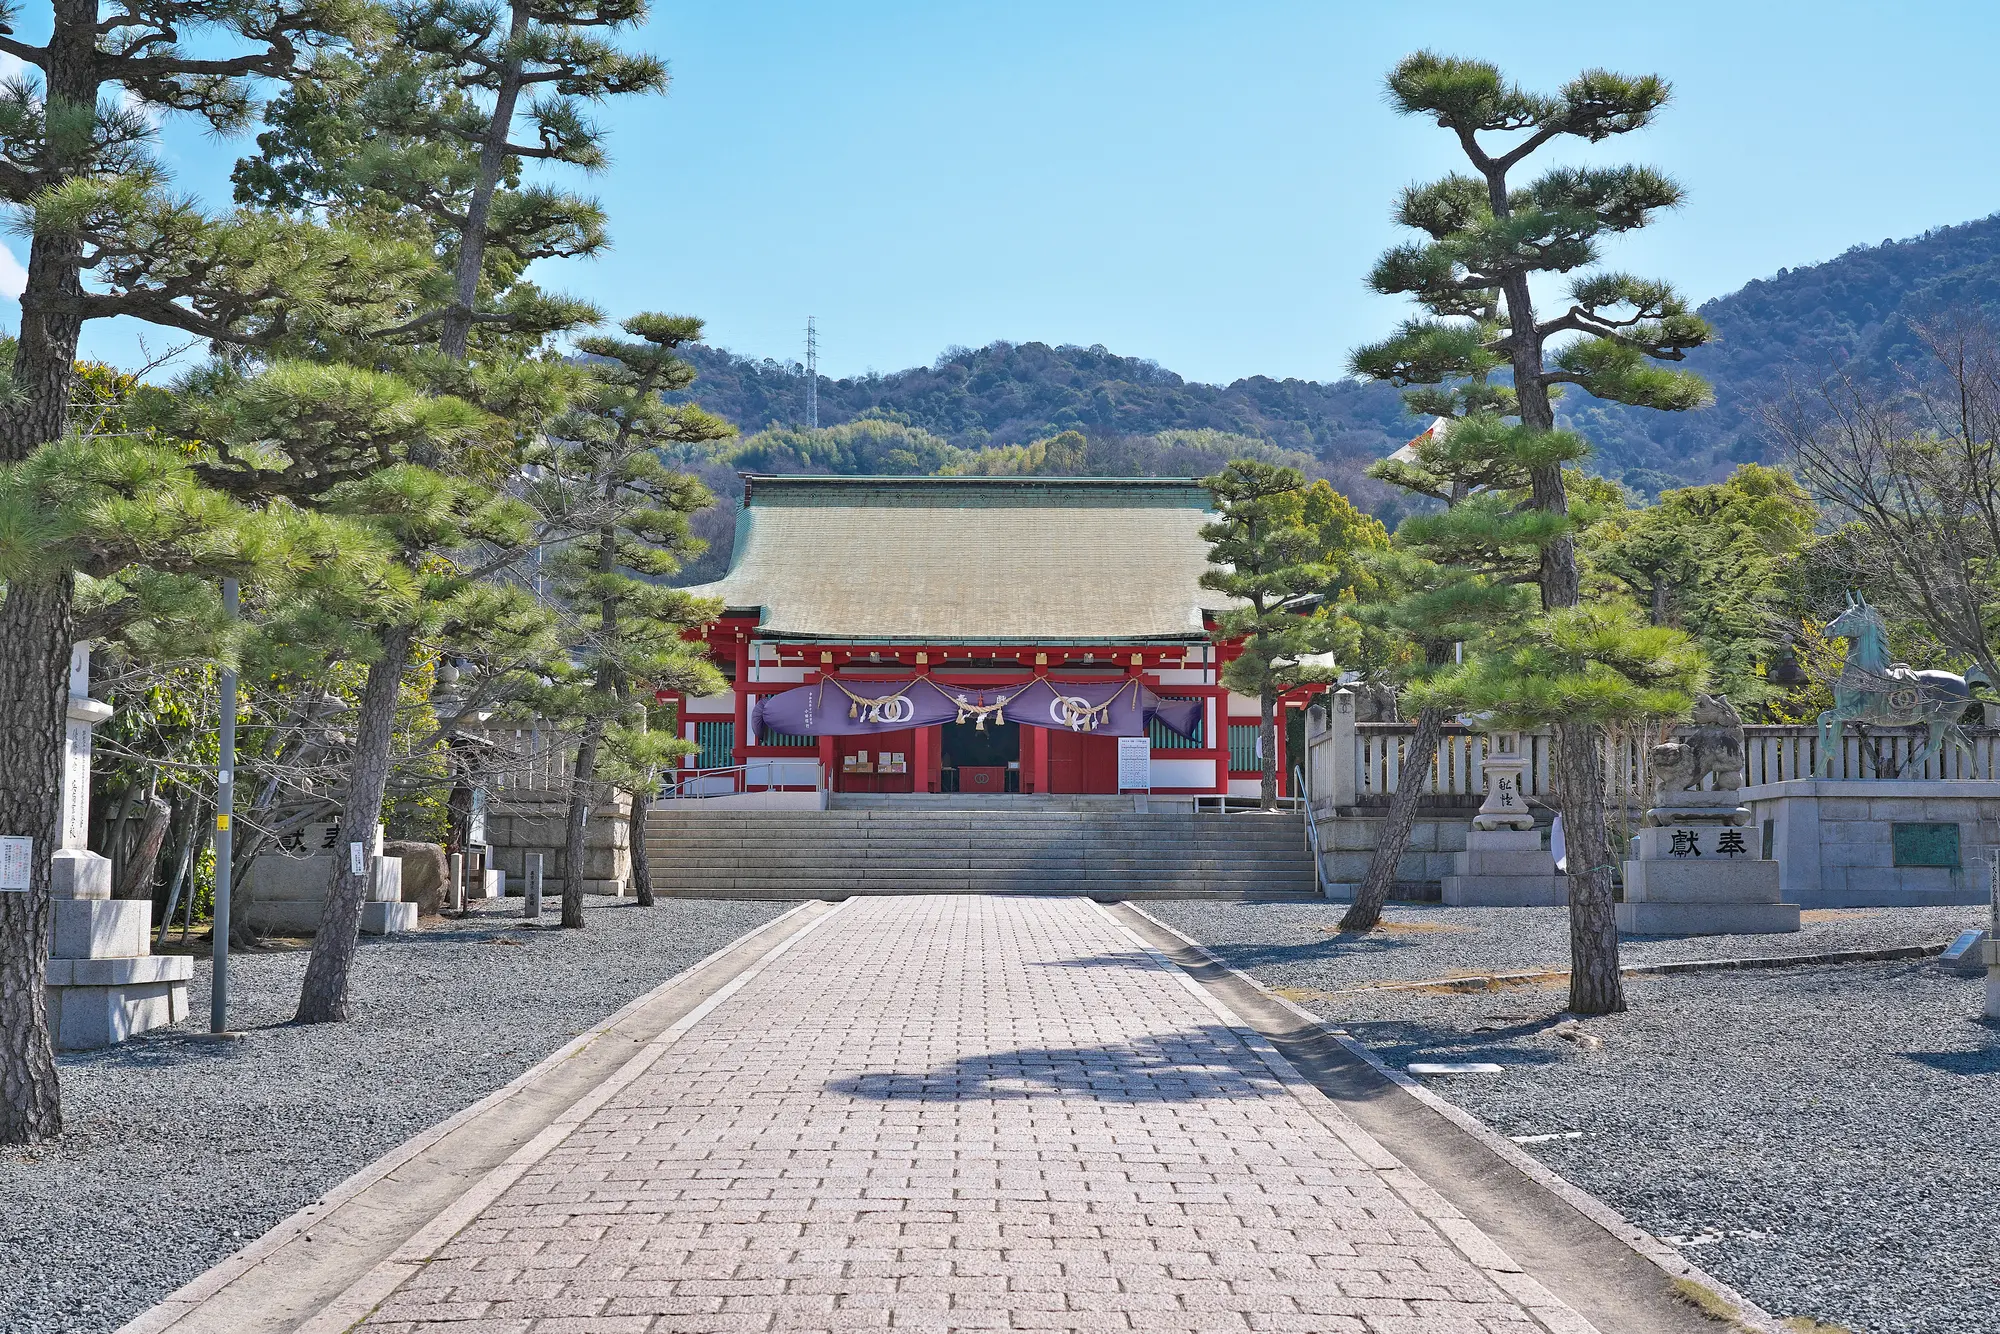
{"points": [[970, 593]]}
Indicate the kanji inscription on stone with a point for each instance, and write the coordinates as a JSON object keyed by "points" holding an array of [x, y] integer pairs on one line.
{"points": [[1686, 844]]}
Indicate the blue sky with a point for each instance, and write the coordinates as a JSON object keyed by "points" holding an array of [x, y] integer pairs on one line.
{"points": [[1204, 184]]}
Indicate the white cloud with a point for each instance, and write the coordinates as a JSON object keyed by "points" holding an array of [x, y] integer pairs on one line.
{"points": [[13, 277]]}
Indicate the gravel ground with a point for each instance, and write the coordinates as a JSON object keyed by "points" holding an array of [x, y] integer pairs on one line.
{"points": [[177, 1152], [1821, 1137]]}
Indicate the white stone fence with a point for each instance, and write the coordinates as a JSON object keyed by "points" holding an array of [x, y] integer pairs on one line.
{"points": [[1356, 764]]}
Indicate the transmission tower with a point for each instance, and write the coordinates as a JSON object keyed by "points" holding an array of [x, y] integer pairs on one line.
{"points": [[812, 374]]}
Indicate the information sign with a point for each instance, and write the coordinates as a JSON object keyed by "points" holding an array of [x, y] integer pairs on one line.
{"points": [[1135, 764], [17, 854]]}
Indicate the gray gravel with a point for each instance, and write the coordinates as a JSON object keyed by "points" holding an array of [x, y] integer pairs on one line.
{"points": [[1822, 1137], [177, 1152]]}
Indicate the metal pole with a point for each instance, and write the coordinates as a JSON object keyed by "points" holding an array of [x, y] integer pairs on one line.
{"points": [[225, 803]]}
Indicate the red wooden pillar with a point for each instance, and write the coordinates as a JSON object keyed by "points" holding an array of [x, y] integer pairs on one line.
{"points": [[1035, 746], [924, 757], [742, 693], [1279, 733]]}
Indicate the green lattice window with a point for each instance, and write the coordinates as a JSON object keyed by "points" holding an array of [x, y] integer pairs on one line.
{"points": [[717, 743], [787, 739], [1243, 749]]}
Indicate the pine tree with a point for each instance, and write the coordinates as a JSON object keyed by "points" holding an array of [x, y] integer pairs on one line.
{"points": [[1487, 239], [1288, 552], [632, 513], [108, 239], [415, 137]]}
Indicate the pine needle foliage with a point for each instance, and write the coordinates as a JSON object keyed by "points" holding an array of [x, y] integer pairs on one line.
{"points": [[603, 470], [1290, 553]]}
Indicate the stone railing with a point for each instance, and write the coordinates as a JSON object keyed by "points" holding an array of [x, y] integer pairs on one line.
{"points": [[1778, 754], [1356, 764]]}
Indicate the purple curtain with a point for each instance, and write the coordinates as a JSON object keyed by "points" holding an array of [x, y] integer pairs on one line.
{"points": [[839, 707]]}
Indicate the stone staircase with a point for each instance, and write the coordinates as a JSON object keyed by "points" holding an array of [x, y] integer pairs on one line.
{"points": [[979, 846]]}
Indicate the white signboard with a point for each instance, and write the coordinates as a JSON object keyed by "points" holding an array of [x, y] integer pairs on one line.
{"points": [[1135, 764], [357, 857], [15, 856]]}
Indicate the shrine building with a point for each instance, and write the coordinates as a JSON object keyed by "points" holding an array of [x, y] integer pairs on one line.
{"points": [[971, 634]]}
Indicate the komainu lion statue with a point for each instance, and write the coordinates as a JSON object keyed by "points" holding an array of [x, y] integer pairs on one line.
{"points": [[1711, 744]]}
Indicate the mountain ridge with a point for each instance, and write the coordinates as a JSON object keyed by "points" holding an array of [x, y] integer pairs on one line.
{"points": [[1852, 313]]}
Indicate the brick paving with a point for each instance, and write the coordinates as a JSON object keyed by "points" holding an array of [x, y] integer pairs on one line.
{"points": [[966, 1113]]}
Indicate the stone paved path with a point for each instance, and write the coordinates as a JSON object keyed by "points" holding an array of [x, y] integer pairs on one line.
{"points": [[960, 1113]]}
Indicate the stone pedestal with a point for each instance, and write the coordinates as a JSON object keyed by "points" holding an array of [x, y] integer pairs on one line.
{"points": [[104, 983], [1504, 864], [287, 895], [1503, 868], [1855, 842], [1701, 879]]}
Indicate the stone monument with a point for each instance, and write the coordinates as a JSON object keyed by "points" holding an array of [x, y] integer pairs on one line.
{"points": [[104, 982], [1504, 864], [1694, 869], [287, 891]]}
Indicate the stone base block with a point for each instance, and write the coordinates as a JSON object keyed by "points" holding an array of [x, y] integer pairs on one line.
{"points": [[1503, 840], [1547, 890], [1993, 994], [1707, 919], [76, 874], [385, 883], [144, 968], [614, 889], [1476, 862], [85, 1017], [491, 884], [1689, 881], [387, 919], [99, 928], [1694, 843]]}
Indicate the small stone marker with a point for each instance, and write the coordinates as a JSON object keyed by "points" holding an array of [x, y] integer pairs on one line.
{"points": [[16, 854], [458, 882], [1454, 1068], [531, 905]]}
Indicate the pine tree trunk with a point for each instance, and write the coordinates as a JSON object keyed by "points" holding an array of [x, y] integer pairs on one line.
{"points": [[137, 876], [492, 161], [35, 630], [1595, 986], [1267, 741], [1366, 910], [323, 997], [642, 862], [37, 619], [579, 815], [1594, 981]]}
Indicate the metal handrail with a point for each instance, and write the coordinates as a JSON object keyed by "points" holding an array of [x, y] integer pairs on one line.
{"points": [[672, 791], [1312, 829]]}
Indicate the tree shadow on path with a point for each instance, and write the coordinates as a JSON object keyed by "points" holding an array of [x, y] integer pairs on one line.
{"points": [[1191, 1065]]}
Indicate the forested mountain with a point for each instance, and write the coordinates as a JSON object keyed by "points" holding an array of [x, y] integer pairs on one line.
{"points": [[1014, 393], [1796, 327]]}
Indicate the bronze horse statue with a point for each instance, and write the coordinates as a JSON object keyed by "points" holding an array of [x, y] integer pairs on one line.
{"points": [[1871, 689]]}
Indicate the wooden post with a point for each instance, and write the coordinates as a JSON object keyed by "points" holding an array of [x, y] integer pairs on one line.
{"points": [[531, 906], [458, 882]]}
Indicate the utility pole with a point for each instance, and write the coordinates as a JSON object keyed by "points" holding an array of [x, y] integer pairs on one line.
{"points": [[812, 373], [225, 804]]}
